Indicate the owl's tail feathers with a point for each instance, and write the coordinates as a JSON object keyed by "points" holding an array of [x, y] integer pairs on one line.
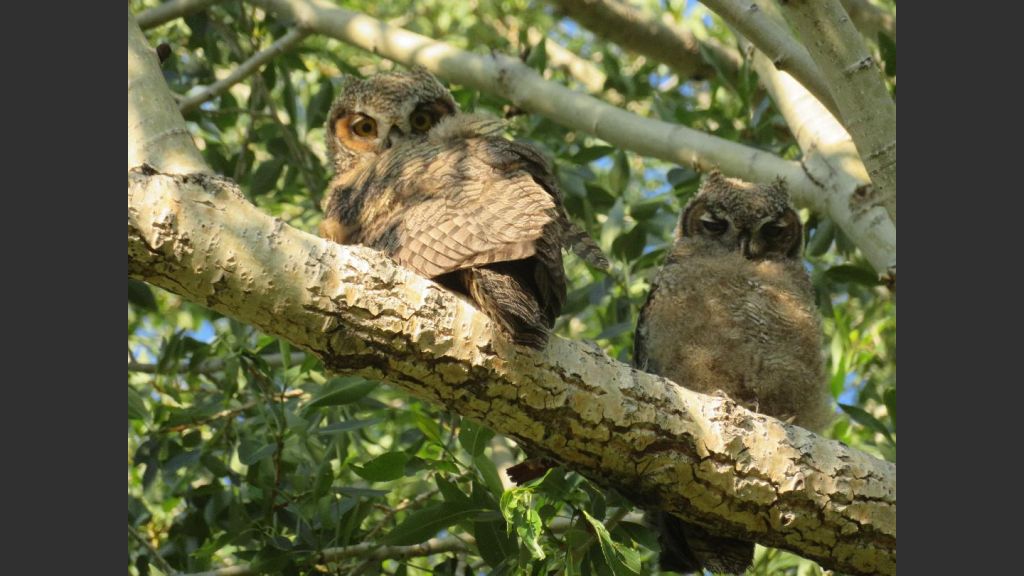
{"points": [[689, 548], [585, 247], [509, 294]]}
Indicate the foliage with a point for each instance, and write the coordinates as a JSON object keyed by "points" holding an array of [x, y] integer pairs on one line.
{"points": [[242, 450]]}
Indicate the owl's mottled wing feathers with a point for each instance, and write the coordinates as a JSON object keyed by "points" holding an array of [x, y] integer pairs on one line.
{"points": [[476, 211]]}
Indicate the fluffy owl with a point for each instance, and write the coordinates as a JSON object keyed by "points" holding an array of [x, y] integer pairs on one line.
{"points": [[443, 193], [732, 312]]}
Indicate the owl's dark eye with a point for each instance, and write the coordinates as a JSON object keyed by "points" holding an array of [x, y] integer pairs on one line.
{"points": [[421, 121], [364, 127], [714, 226], [771, 231]]}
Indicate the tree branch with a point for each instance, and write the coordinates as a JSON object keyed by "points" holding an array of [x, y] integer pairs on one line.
{"points": [[630, 28], [786, 53], [243, 71], [701, 457], [865, 106], [156, 131], [170, 10], [509, 78]]}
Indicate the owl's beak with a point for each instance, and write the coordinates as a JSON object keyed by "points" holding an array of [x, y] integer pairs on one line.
{"points": [[395, 134], [745, 244]]}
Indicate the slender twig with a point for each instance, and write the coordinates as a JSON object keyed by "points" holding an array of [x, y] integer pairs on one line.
{"points": [[292, 38], [785, 52], [154, 555], [167, 11]]}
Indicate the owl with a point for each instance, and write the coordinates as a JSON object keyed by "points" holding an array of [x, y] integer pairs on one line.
{"points": [[443, 193], [732, 312]]}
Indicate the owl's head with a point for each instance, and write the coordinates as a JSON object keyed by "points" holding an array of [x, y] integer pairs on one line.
{"points": [[754, 219], [373, 114]]}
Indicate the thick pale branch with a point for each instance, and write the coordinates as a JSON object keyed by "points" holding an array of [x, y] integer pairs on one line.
{"points": [[510, 78], [670, 44], [170, 10], [291, 39], [865, 107], [701, 457], [156, 131], [775, 41]]}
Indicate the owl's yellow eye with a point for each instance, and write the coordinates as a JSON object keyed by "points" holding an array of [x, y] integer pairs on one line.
{"points": [[421, 121], [364, 127]]}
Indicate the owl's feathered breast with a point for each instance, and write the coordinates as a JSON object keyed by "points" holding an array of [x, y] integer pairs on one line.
{"points": [[722, 323]]}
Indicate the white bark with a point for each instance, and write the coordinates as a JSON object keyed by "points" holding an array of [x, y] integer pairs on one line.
{"points": [[156, 131]]}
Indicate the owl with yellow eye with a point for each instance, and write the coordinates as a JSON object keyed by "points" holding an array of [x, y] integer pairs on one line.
{"points": [[445, 194]]}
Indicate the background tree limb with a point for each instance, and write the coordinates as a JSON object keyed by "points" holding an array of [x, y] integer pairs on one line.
{"points": [[630, 28]]}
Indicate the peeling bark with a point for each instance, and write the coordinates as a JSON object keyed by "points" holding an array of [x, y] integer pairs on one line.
{"points": [[701, 457]]}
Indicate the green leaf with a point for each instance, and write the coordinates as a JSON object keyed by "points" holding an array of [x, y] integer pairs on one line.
{"points": [[450, 492], [424, 524], [620, 559], [430, 427], [490, 474], [516, 507], [538, 56], [853, 274], [265, 177], [586, 155], [889, 397], [214, 465], [887, 48], [320, 104], [348, 426], [618, 178], [493, 541], [383, 468], [864, 418], [136, 406], [343, 390], [140, 296], [474, 437], [251, 451], [821, 241], [680, 176]]}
